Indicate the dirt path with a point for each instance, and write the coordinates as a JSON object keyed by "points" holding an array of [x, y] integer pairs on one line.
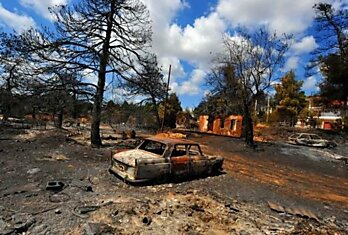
{"points": [[322, 179]]}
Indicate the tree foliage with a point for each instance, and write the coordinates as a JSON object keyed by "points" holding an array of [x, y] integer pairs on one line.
{"points": [[216, 106], [289, 98], [226, 92], [331, 24], [129, 115], [173, 107], [335, 73], [332, 53]]}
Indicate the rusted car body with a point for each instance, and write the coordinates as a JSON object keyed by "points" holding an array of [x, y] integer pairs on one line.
{"points": [[158, 158], [312, 140]]}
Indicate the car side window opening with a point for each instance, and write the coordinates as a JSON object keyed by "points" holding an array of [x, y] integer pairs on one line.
{"points": [[193, 150], [315, 137], [153, 147], [308, 137], [303, 137], [179, 150]]}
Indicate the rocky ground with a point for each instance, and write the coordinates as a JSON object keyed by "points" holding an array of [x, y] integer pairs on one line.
{"points": [[275, 189]]}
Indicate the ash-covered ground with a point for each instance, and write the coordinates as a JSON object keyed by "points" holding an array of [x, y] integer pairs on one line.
{"points": [[307, 187]]}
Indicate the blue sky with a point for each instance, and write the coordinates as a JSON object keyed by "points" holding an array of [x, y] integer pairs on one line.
{"points": [[187, 33]]}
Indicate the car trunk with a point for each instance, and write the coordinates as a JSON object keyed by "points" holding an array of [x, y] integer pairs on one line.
{"points": [[129, 157]]}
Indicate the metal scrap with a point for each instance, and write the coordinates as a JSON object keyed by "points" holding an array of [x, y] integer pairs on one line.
{"points": [[147, 220], [59, 197], [299, 211], [85, 186], [55, 185], [82, 211]]}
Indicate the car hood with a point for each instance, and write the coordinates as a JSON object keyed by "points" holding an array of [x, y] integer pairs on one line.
{"points": [[129, 157]]}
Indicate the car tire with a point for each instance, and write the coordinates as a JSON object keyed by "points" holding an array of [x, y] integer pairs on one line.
{"points": [[214, 170], [331, 145]]}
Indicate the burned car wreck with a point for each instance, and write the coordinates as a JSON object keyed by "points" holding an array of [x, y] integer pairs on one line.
{"points": [[311, 140], [159, 158]]}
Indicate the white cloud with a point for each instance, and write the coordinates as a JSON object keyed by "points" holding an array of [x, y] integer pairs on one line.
{"points": [[285, 16], [15, 21], [41, 6], [310, 84], [90, 77], [306, 45], [191, 86], [177, 69], [162, 12], [291, 63], [195, 43]]}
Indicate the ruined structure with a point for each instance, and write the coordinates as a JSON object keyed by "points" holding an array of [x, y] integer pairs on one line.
{"points": [[229, 126]]}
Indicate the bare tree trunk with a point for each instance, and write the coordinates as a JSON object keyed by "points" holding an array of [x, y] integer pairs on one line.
{"points": [[7, 108], [155, 110], [345, 98], [248, 125], [60, 118], [33, 112], [74, 112], [8, 96], [98, 99], [96, 112]]}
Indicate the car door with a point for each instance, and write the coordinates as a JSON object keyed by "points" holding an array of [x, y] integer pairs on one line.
{"points": [[198, 162], [304, 139], [180, 161], [317, 141]]}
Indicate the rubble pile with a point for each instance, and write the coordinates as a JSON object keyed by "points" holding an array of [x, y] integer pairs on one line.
{"points": [[196, 212]]}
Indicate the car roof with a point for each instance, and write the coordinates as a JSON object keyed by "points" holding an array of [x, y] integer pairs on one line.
{"points": [[308, 134], [172, 141]]}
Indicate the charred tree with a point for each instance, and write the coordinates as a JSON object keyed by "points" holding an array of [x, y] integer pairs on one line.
{"points": [[102, 39], [148, 84], [11, 79], [252, 59]]}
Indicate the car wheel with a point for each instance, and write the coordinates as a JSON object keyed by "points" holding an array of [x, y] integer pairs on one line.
{"points": [[214, 170], [161, 180], [331, 145]]}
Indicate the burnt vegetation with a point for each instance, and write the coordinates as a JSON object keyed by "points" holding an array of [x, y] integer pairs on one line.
{"points": [[99, 46], [78, 97]]}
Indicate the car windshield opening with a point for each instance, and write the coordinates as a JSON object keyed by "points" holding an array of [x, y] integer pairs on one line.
{"points": [[153, 147]]}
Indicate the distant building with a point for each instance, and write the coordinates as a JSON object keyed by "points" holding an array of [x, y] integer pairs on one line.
{"points": [[330, 121], [229, 126], [328, 115]]}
